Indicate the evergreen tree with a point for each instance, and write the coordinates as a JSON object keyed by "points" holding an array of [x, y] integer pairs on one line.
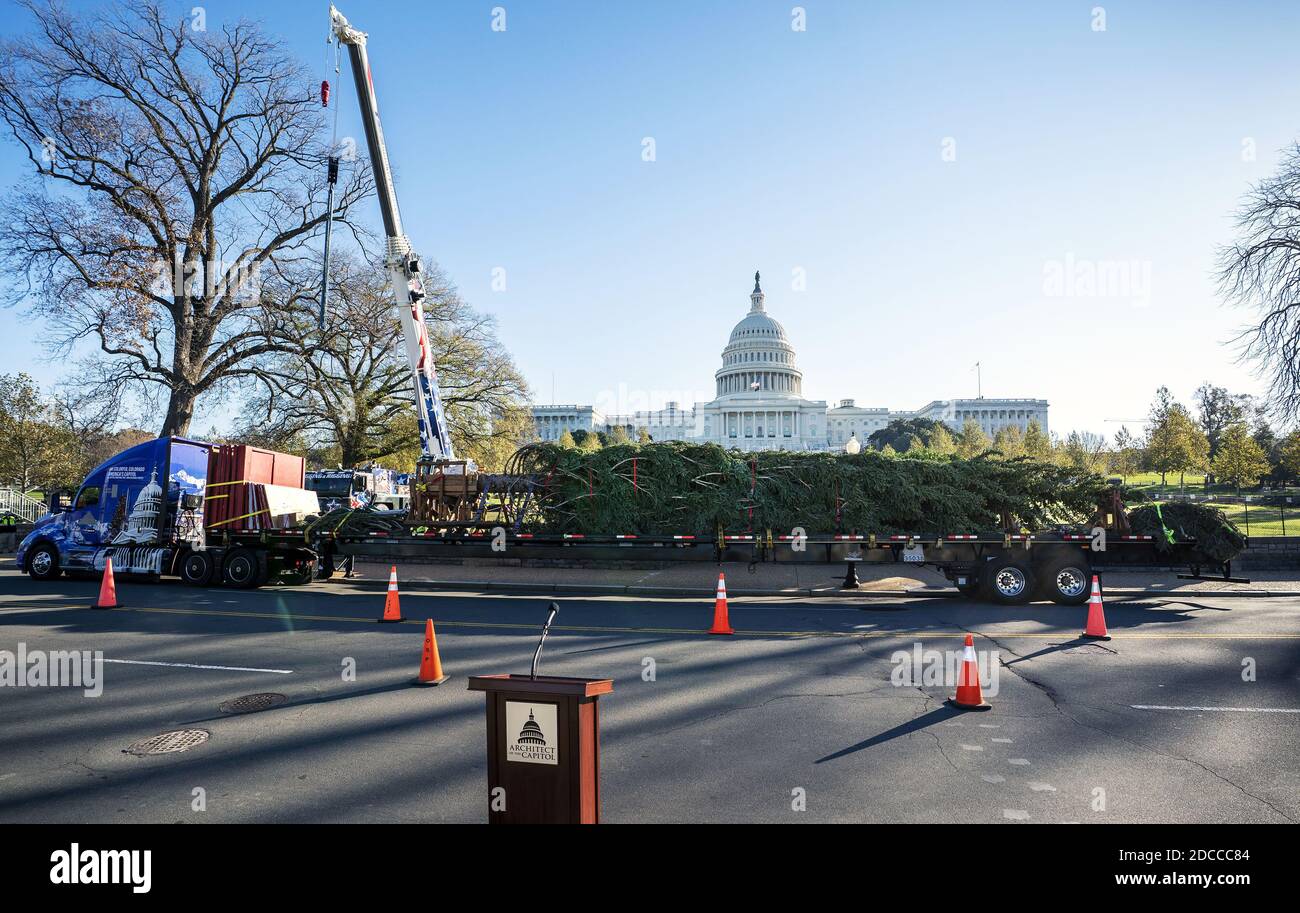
{"points": [[972, 441], [1240, 460]]}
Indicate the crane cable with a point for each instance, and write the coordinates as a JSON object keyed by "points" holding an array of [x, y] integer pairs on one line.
{"points": [[332, 174]]}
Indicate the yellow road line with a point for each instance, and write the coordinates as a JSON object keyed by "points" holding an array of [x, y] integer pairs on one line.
{"points": [[608, 629]]}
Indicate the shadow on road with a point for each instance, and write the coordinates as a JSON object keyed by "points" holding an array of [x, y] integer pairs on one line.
{"points": [[937, 715]]}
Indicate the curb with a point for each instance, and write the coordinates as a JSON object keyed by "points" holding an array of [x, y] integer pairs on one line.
{"points": [[618, 589]]}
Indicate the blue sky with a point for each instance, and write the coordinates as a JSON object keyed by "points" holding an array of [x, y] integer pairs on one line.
{"points": [[823, 151]]}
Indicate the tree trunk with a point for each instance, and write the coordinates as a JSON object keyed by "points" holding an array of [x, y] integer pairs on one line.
{"points": [[180, 412]]}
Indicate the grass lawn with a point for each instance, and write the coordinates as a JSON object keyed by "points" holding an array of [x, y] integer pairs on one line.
{"points": [[1265, 520], [1149, 483]]}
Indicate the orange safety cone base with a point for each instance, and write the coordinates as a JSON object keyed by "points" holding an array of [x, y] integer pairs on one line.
{"points": [[107, 598], [1095, 629], [982, 705], [105, 608], [392, 601], [721, 621], [430, 662]]}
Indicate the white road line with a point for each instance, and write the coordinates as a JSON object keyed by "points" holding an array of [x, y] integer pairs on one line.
{"points": [[1219, 709], [141, 662]]}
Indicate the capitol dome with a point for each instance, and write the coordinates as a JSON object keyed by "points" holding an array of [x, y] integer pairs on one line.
{"points": [[531, 734], [758, 359]]}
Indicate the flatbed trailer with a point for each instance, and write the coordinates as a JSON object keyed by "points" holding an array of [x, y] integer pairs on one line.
{"points": [[1005, 568], [150, 510]]}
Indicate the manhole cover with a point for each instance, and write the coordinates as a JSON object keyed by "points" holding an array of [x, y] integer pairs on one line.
{"points": [[251, 703], [168, 742]]}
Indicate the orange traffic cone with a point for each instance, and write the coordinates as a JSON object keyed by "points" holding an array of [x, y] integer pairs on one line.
{"points": [[1096, 627], [107, 588], [392, 606], [720, 623], [430, 662], [969, 696]]}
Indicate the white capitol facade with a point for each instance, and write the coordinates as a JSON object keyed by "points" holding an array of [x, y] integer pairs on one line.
{"points": [[759, 403]]}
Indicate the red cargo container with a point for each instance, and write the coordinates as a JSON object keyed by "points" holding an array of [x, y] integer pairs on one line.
{"points": [[233, 500]]}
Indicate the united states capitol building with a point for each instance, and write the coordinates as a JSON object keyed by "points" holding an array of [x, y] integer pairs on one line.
{"points": [[759, 403]]}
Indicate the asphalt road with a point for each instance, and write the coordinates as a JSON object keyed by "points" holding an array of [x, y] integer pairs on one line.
{"points": [[804, 702]]}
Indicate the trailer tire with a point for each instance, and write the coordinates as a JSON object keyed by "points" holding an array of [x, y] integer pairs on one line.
{"points": [[242, 568], [1065, 581], [43, 562], [1009, 581], [197, 568]]}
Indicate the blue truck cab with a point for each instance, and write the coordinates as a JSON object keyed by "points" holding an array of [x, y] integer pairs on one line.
{"points": [[143, 507]]}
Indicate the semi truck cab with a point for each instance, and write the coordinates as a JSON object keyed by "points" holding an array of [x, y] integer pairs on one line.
{"points": [[139, 507]]}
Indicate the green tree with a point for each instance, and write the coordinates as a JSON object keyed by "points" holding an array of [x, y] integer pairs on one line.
{"points": [[941, 441], [618, 435], [1174, 442], [1036, 443], [1218, 410], [567, 440], [1126, 458], [1085, 451], [1240, 460], [1289, 454], [643, 436], [1009, 441], [972, 441], [895, 433], [35, 450]]}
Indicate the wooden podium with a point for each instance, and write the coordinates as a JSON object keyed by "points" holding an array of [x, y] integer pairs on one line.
{"points": [[543, 748]]}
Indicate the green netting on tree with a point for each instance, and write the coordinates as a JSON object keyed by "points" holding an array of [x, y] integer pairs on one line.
{"points": [[678, 488], [1216, 538]]}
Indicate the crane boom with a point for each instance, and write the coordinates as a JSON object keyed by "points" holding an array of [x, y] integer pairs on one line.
{"points": [[404, 271]]}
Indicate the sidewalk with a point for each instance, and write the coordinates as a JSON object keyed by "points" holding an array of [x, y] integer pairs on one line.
{"points": [[692, 579]]}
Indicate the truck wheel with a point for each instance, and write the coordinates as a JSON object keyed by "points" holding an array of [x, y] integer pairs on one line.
{"points": [[43, 562], [1009, 581], [197, 568], [1065, 581], [241, 569]]}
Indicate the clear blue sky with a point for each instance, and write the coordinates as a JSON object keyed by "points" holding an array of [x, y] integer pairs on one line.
{"points": [[822, 150]]}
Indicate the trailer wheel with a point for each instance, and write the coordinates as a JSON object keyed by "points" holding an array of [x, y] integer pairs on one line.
{"points": [[197, 568], [43, 562], [241, 569], [1009, 581], [1065, 581]]}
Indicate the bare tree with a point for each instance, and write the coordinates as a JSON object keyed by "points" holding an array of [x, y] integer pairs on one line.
{"points": [[348, 390], [181, 174], [1262, 271]]}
